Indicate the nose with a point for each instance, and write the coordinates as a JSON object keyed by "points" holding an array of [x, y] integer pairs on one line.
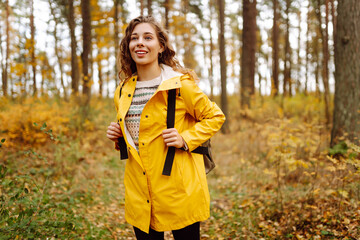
{"points": [[140, 42]]}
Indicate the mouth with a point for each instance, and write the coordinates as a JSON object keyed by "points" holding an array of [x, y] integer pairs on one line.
{"points": [[140, 52]]}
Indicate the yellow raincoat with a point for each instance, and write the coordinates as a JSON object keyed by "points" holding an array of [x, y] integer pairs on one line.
{"points": [[152, 199]]}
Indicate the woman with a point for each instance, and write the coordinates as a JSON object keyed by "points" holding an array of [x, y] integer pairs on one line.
{"points": [[154, 202]]}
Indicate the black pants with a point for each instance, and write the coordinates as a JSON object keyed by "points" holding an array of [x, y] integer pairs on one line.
{"points": [[191, 232]]}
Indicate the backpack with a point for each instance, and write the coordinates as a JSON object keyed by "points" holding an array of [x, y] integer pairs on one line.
{"points": [[204, 149]]}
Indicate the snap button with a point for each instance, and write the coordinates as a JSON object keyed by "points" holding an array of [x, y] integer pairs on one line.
{"points": [[120, 119], [133, 79], [129, 148], [144, 173], [147, 201], [129, 95], [143, 144], [146, 116]]}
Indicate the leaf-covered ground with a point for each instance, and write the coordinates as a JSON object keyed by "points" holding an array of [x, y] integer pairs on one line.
{"points": [[275, 176]]}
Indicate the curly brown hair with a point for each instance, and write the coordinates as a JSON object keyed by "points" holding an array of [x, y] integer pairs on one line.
{"points": [[126, 63]]}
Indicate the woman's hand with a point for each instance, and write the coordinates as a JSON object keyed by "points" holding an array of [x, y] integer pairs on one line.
{"points": [[114, 132], [172, 138]]}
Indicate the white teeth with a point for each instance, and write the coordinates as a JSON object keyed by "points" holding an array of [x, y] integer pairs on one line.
{"points": [[140, 52]]}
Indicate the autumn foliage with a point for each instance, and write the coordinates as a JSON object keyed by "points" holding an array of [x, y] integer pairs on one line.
{"points": [[275, 178]]}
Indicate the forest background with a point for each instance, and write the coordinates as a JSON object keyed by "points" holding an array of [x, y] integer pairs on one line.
{"points": [[285, 72]]}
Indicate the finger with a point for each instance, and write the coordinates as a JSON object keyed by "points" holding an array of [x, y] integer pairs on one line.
{"points": [[113, 134], [173, 144], [114, 129], [115, 125], [172, 131], [170, 140], [111, 137], [169, 135], [169, 130]]}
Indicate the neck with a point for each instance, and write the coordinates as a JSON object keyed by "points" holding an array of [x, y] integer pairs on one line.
{"points": [[148, 72]]}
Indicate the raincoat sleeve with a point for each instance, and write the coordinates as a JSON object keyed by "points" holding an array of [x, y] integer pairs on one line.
{"points": [[116, 102], [209, 117]]}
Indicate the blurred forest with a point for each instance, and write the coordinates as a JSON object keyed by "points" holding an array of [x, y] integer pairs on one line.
{"points": [[286, 74]]}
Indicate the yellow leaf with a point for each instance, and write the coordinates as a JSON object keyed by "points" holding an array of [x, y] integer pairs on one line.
{"points": [[343, 193], [333, 160], [331, 168], [330, 192], [316, 191], [346, 221], [302, 163], [267, 171]]}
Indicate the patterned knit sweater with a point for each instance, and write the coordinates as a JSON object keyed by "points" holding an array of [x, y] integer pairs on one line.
{"points": [[143, 92]]}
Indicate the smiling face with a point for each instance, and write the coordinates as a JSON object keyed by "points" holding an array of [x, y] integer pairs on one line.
{"points": [[144, 45]]}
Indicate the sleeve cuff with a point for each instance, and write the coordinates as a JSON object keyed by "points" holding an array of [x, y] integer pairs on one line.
{"points": [[185, 147]]}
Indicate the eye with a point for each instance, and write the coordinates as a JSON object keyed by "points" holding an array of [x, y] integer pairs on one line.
{"points": [[133, 38], [148, 37]]}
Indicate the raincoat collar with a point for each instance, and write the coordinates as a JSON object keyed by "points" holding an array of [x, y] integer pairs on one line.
{"points": [[170, 79]]}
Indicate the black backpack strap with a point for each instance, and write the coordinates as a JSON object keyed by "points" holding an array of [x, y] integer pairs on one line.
{"points": [[123, 148], [170, 122], [121, 140], [201, 150]]}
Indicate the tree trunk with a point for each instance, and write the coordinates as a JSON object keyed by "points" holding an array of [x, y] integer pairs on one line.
{"points": [[325, 59], [211, 69], [275, 64], [25, 76], [318, 64], [307, 50], [7, 51], [189, 59], [142, 7], [32, 49], [107, 81], [123, 14], [42, 71], [287, 62], [298, 68], [224, 103], [116, 37], [149, 7], [346, 115], [333, 18], [86, 34], [248, 52], [74, 61], [100, 75], [167, 8], [326, 64], [57, 54]]}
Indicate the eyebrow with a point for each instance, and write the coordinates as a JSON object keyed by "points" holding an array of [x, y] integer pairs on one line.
{"points": [[144, 33]]}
